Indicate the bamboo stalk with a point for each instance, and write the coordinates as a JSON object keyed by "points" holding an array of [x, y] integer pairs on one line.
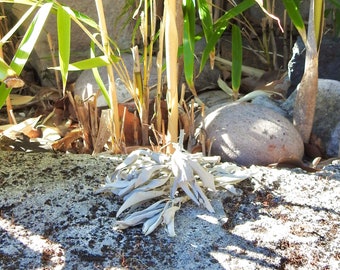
{"points": [[144, 98], [171, 49], [54, 62], [10, 114], [115, 132], [158, 110], [304, 108]]}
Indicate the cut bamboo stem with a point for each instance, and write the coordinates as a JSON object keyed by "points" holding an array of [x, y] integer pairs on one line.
{"points": [[115, 132], [171, 50]]}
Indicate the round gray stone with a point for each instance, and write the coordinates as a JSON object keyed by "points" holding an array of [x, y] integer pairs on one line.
{"points": [[251, 134], [326, 116]]}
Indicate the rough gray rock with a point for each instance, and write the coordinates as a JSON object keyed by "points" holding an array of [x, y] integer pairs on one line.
{"points": [[250, 134], [333, 148], [327, 115], [207, 79], [329, 61], [86, 79], [51, 219]]}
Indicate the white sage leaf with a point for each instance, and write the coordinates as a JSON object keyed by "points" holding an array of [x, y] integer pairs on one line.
{"points": [[160, 158], [127, 189], [180, 167], [155, 206], [147, 173], [206, 177], [186, 188], [138, 198], [205, 199], [151, 224], [132, 158], [232, 180], [169, 219], [155, 183], [138, 218], [233, 190]]}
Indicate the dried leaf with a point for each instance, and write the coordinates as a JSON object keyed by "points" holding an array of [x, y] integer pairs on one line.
{"points": [[130, 159], [65, 143], [17, 100], [133, 179], [152, 223], [225, 87], [138, 198], [155, 183], [206, 201], [206, 177], [23, 127], [14, 82], [186, 188], [257, 93], [147, 173], [169, 219], [137, 218]]}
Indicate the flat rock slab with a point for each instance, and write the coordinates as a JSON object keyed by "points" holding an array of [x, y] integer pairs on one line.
{"points": [[251, 134], [50, 218]]}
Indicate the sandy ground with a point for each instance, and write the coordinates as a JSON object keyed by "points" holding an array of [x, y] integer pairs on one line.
{"points": [[50, 218]]}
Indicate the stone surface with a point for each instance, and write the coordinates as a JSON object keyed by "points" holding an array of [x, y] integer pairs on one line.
{"points": [[207, 79], [249, 134], [86, 79], [270, 103], [327, 115], [80, 43], [212, 98], [51, 219], [255, 14], [329, 61], [333, 147]]}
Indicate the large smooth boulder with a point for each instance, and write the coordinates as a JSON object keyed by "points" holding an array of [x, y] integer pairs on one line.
{"points": [[250, 134]]}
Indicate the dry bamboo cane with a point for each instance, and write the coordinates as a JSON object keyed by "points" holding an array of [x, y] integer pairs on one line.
{"points": [[304, 108], [115, 132], [171, 48]]}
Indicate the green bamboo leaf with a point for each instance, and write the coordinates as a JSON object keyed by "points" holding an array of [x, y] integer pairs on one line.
{"points": [[97, 77], [5, 70], [64, 41], [26, 46], [220, 26], [236, 67], [83, 18], [10, 33], [319, 11], [189, 43], [205, 17], [295, 16], [90, 63], [30, 38]]}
